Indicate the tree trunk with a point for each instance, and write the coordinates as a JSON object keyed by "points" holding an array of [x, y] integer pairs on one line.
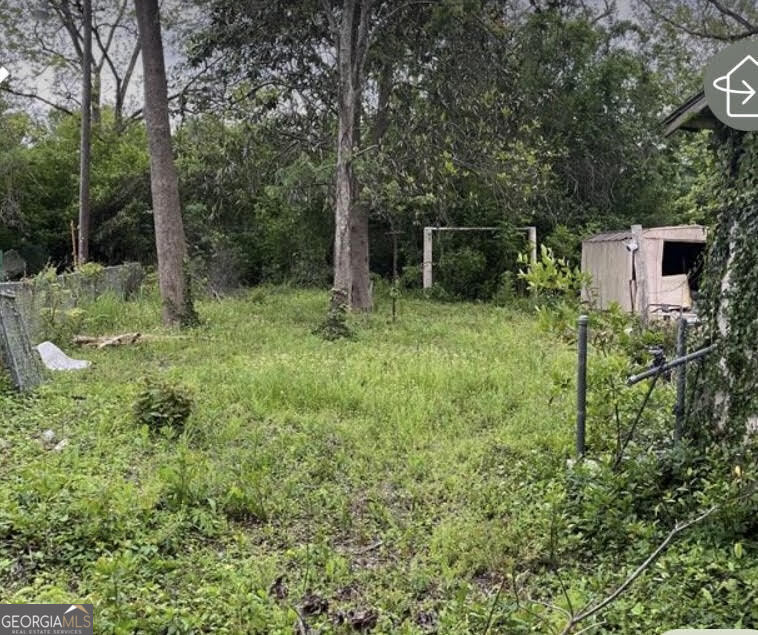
{"points": [[343, 202], [86, 145], [169, 228], [361, 296], [351, 277], [343, 206], [731, 292], [97, 97], [362, 299]]}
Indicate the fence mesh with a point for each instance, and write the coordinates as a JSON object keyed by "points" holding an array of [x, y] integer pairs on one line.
{"points": [[16, 353]]}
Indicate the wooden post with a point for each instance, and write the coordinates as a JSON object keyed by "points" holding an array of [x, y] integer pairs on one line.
{"points": [[640, 269], [427, 266], [532, 231], [74, 248]]}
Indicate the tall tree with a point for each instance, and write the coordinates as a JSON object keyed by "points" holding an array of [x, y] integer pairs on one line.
{"points": [[316, 56], [350, 33], [86, 135], [169, 228]]}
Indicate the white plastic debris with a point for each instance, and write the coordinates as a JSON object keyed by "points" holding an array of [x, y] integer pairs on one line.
{"points": [[55, 359]]}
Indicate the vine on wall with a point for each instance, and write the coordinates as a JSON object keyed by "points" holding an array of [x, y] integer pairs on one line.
{"points": [[730, 290]]}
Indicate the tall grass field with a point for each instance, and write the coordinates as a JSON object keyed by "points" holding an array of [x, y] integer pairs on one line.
{"points": [[400, 481]]}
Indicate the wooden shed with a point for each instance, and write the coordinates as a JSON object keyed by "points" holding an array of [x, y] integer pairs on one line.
{"points": [[646, 271]]}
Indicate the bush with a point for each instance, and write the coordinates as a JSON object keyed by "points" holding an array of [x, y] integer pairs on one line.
{"points": [[552, 279], [161, 404], [335, 326], [462, 271]]}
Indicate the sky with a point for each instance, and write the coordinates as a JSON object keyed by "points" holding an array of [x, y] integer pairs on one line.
{"points": [[65, 88]]}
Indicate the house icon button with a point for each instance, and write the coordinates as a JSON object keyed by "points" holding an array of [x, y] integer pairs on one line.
{"points": [[731, 85], [740, 85]]}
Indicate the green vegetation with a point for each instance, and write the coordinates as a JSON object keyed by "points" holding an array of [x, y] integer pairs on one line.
{"points": [[732, 289], [162, 405], [566, 139], [412, 477], [291, 464]]}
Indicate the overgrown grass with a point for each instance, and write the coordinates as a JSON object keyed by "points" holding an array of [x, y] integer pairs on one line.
{"points": [[397, 475]]}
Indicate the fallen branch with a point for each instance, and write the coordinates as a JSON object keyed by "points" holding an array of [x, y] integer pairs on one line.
{"points": [[364, 550], [105, 341], [589, 611]]}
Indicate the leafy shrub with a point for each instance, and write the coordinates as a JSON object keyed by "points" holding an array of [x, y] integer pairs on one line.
{"points": [[59, 324], [89, 269], [461, 271], [551, 278], [162, 404], [335, 326], [6, 385], [244, 503], [566, 242], [183, 480], [506, 290], [59, 318], [411, 277]]}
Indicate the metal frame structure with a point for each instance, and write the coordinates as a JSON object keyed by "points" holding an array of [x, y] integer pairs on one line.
{"points": [[428, 266], [660, 368]]}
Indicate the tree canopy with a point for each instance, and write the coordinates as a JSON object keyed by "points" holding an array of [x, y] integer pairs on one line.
{"points": [[466, 112]]}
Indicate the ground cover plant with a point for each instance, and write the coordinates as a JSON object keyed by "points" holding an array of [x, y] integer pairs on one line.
{"points": [[411, 478]]}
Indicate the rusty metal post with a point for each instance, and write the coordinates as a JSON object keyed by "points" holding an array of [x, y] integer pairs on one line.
{"points": [[581, 385], [681, 379]]}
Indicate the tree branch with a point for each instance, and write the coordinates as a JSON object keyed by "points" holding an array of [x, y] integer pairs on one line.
{"points": [[130, 70], [332, 21], [704, 34], [592, 610], [38, 98], [363, 42], [752, 28], [67, 19], [106, 56]]}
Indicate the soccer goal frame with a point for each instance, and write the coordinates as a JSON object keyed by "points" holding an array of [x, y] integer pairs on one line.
{"points": [[428, 265]]}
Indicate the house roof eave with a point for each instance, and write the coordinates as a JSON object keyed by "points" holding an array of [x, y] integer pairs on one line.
{"points": [[694, 114]]}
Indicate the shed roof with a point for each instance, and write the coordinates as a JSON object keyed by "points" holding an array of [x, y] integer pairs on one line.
{"points": [[609, 237], [693, 114], [626, 234]]}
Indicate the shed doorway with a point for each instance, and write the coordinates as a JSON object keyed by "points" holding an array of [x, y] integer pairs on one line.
{"points": [[683, 258]]}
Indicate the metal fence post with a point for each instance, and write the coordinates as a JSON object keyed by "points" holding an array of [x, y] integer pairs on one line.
{"points": [[681, 379], [581, 384]]}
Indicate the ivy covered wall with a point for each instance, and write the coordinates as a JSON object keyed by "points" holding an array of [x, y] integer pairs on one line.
{"points": [[730, 294]]}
